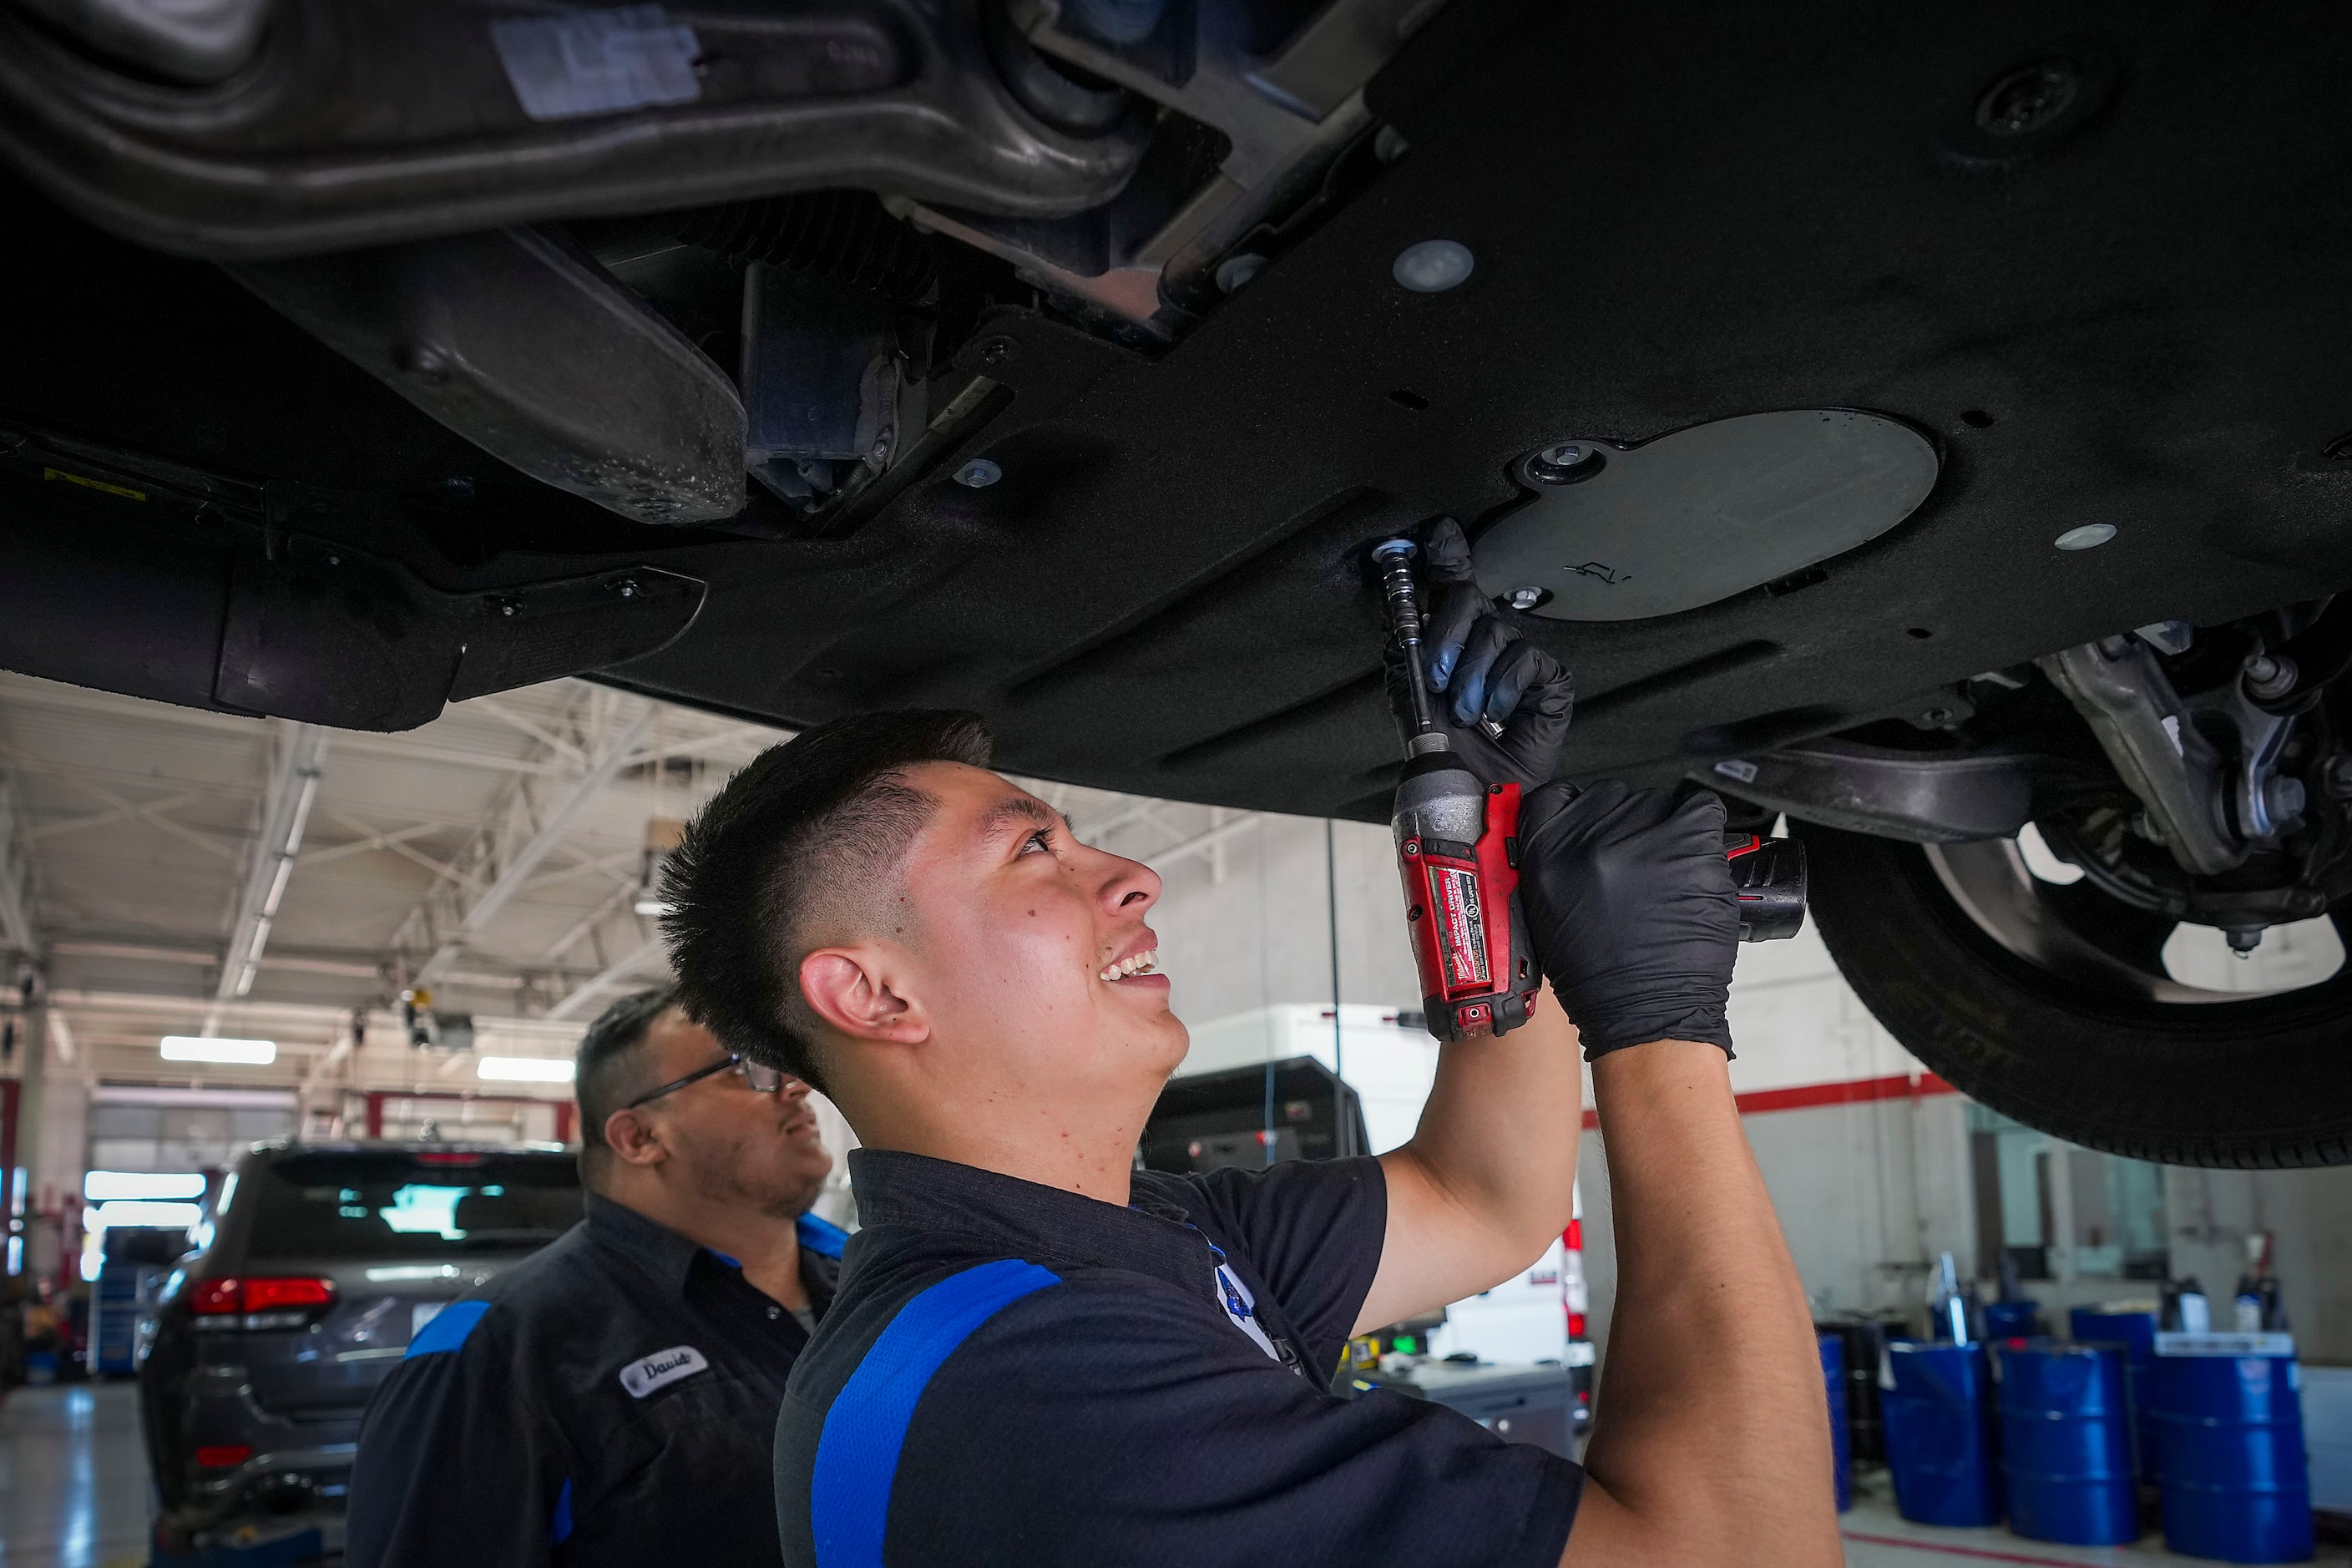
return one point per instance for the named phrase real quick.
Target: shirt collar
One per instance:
(657, 1249)
(1151, 1236)
(670, 1257)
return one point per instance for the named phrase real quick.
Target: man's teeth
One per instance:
(1141, 963)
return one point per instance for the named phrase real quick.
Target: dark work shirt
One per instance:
(1014, 1374)
(611, 1399)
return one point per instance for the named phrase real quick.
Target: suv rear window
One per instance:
(402, 1204)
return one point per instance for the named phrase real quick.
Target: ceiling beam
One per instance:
(537, 731)
(16, 875)
(112, 813)
(712, 746)
(1094, 829)
(285, 811)
(526, 860)
(152, 816)
(624, 894)
(322, 854)
(329, 1017)
(1202, 843)
(612, 975)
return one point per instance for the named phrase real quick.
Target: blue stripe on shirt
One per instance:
(857, 1452)
(821, 1237)
(448, 1329)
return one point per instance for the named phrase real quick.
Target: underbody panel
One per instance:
(1676, 216)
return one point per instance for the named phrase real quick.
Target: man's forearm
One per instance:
(1499, 1130)
(1489, 1177)
(1712, 1426)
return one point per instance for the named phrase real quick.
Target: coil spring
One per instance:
(844, 236)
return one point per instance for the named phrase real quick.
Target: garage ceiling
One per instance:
(494, 856)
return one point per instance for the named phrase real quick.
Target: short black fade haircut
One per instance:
(786, 857)
(605, 1075)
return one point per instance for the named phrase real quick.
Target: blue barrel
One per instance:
(2230, 1457)
(2135, 1332)
(1939, 1416)
(1841, 1453)
(2065, 1443)
(2012, 1319)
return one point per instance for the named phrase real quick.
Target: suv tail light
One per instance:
(223, 1455)
(273, 1301)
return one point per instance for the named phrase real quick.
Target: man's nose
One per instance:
(1130, 887)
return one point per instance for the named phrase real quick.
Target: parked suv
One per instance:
(318, 1265)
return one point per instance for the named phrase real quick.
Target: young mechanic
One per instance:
(1043, 1355)
(591, 1404)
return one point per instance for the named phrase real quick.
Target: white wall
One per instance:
(1869, 1192)
(2310, 1215)
(1261, 933)
(1247, 946)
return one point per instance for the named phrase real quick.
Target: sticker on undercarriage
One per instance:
(597, 62)
(1461, 924)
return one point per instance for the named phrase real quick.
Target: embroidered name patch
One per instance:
(645, 1374)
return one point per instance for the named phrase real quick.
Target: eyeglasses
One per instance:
(764, 1080)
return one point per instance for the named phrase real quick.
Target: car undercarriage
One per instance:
(1929, 424)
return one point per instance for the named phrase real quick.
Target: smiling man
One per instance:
(1041, 1355)
(589, 1405)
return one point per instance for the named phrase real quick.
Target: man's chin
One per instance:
(1170, 1042)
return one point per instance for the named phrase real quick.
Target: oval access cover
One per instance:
(1703, 513)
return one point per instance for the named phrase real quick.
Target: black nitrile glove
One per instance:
(1478, 667)
(1630, 909)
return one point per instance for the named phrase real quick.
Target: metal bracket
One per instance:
(2140, 722)
(525, 346)
(1925, 797)
(363, 123)
(1288, 116)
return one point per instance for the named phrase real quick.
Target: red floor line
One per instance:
(1976, 1552)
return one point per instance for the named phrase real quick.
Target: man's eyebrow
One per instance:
(1017, 811)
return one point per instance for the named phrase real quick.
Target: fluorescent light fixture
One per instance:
(127, 1211)
(654, 907)
(97, 1186)
(244, 1053)
(525, 1070)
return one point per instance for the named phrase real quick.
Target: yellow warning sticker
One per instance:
(94, 484)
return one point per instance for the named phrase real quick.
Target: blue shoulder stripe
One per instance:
(821, 1237)
(857, 1452)
(448, 1327)
(559, 1529)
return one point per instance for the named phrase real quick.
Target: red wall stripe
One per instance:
(1808, 1096)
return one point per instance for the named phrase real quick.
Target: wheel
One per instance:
(2052, 1003)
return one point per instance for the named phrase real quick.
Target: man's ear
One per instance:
(631, 1136)
(849, 989)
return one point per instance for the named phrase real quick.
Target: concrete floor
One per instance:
(73, 1494)
(73, 1479)
(1878, 1537)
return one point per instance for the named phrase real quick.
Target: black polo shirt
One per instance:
(1014, 1374)
(608, 1399)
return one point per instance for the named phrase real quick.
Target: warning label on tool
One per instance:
(1461, 925)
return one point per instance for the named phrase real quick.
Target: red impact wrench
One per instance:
(1458, 850)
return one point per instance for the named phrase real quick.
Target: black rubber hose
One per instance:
(844, 236)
